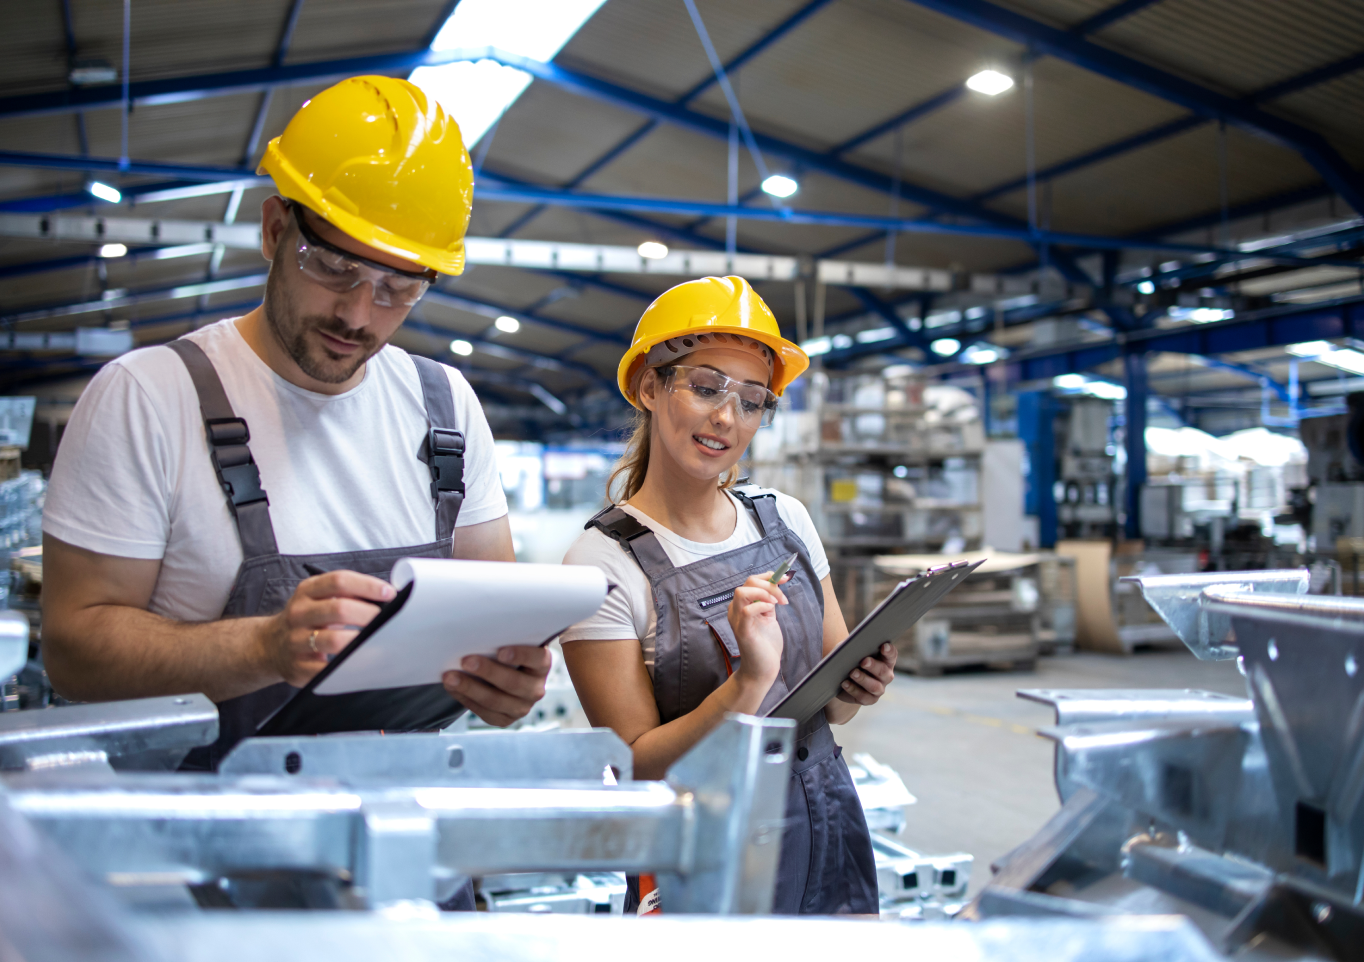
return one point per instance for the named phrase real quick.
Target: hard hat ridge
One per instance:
(382, 162)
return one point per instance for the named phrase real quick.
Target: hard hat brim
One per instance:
(296, 187)
(791, 362)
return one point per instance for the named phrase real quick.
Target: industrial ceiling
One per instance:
(1155, 159)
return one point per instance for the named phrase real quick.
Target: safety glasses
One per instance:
(342, 271)
(706, 390)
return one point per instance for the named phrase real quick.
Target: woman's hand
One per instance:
(867, 682)
(753, 616)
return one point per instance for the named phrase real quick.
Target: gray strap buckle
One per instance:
(232, 461)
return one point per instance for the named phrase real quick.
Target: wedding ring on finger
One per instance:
(312, 642)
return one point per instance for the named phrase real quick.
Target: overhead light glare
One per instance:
(990, 82)
(945, 346)
(816, 346)
(113, 250)
(507, 325)
(1324, 352)
(1200, 315)
(983, 354)
(779, 185)
(653, 250)
(1069, 382)
(477, 93)
(1146, 287)
(461, 347)
(1310, 348)
(104, 192)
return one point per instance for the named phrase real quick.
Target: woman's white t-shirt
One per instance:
(628, 611)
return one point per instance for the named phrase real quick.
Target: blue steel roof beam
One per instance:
(664, 205)
(1313, 77)
(1104, 18)
(137, 194)
(757, 47)
(1311, 146)
(190, 88)
(1272, 327)
(951, 95)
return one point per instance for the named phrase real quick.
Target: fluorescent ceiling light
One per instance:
(1069, 382)
(990, 82)
(944, 346)
(1146, 287)
(104, 192)
(874, 335)
(461, 347)
(816, 346)
(841, 341)
(983, 353)
(1200, 315)
(507, 325)
(779, 185)
(477, 93)
(1310, 348)
(652, 250)
(113, 250)
(1323, 352)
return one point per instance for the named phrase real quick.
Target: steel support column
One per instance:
(1134, 438)
(1037, 412)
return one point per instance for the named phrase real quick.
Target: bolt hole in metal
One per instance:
(455, 758)
(773, 754)
(293, 763)
(1273, 650)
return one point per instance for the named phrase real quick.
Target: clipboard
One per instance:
(314, 710)
(905, 605)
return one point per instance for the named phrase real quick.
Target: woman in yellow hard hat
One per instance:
(696, 628)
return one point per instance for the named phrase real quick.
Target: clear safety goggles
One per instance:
(342, 271)
(706, 389)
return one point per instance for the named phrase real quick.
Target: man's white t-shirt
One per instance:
(628, 611)
(132, 477)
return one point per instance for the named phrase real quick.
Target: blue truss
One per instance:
(1313, 147)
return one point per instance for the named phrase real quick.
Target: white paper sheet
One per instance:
(460, 608)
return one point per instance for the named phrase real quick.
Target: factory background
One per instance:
(1081, 281)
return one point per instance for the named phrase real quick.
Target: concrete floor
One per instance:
(968, 748)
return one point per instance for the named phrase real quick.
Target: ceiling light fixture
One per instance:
(461, 347)
(477, 93)
(652, 250)
(779, 185)
(113, 250)
(507, 325)
(983, 353)
(104, 192)
(1146, 287)
(990, 82)
(945, 346)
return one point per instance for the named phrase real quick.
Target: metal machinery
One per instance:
(107, 854)
(1087, 504)
(1245, 815)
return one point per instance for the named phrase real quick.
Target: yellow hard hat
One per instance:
(710, 305)
(382, 162)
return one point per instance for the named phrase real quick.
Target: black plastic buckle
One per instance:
(446, 452)
(232, 460)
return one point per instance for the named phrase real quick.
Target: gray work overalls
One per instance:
(266, 579)
(826, 864)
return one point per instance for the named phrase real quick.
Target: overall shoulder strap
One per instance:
(227, 437)
(443, 447)
(635, 538)
(764, 505)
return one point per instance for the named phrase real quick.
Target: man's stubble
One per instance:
(291, 328)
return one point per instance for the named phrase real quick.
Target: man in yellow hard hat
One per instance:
(224, 509)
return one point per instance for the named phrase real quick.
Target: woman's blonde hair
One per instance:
(634, 463)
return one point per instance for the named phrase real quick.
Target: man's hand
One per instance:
(867, 682)
(503, 689)
(321, 618)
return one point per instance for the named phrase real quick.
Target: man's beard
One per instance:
(291, 330)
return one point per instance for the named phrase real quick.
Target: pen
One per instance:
(784, 567)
